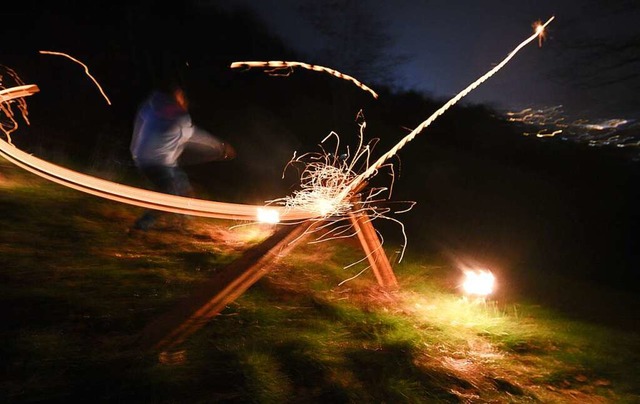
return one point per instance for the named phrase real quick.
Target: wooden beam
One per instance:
(168, 331)
(373, 249)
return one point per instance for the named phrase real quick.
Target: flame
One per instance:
(478, 282)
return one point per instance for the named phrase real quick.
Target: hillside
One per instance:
(77, 290)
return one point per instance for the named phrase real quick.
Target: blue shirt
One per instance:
(161, 131)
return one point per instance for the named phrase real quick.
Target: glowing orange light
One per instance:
(86, 70)
(277, 66)
(478, 282)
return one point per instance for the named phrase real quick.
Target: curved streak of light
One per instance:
(86, 70)
(373, 168)
(140, 197)
(128, 194)
(276, 64)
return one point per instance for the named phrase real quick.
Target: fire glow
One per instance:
(478, 282)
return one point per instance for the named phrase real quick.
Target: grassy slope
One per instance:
(76, 290)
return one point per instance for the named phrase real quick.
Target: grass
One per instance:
(77, 290)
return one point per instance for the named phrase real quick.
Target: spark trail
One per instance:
(86, 70)
(539, 31)
(278, 66)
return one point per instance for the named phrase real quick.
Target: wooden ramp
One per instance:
(171, 329)
(168, 331)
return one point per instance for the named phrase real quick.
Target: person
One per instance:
(162, 131)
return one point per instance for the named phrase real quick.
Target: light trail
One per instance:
(141, 197)
(276, 65)
(374, 167)
(86, 70)
(128, 194)
(552, 134)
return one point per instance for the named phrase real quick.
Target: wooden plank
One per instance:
(168, 331)
(373, 249)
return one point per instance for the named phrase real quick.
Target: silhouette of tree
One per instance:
(600, 51)
(356, 40)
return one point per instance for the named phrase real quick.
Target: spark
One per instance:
(324, 175)
(86, 70)
(285, 68)
(374, 167)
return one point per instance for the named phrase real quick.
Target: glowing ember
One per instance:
(478, 282)
(282, 68)
(86, 70)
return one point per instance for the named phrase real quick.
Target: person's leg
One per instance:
(168, 180)
(161, 181)
(182, 187)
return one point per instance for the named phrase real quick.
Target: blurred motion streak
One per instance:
(86, 70)
(281, 68)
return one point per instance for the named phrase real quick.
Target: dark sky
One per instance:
(589, 62)
(448, 44)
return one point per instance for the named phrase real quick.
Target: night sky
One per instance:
(445, 45)
(588, 63)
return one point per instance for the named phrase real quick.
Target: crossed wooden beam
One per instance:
(166, 332)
